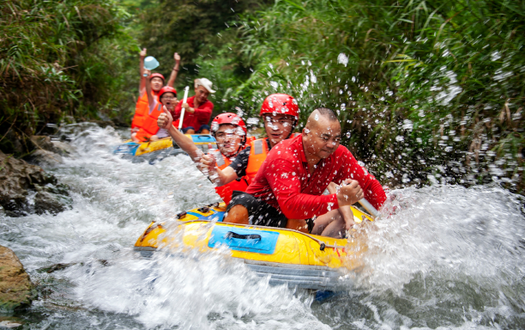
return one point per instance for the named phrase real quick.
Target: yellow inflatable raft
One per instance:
(163, 147)
(286, 256)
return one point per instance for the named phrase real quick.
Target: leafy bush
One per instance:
(194, 29)
(58, 58)
(426, 90)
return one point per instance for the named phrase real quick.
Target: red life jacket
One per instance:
(226, 191)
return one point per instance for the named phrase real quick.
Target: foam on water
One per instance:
(445, 257)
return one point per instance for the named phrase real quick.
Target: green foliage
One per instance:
(59, 58)
(425, 90)
(192, 28)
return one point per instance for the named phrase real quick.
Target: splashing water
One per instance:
(445, 257)
(342, 59)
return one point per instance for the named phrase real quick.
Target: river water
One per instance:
(446, 257)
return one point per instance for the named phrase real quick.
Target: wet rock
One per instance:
(44, 151)
(43, 142)
(48, 202)
(16, 289)
(63, 148)
(44, 157)
(26, 188)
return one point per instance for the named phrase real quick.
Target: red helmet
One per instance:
(280, 104)
(167, 89)
(158, 75)
(228, 118)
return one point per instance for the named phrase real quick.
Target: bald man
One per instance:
(288, 189)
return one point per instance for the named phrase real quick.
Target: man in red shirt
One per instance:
(197, 111)
(291, 181)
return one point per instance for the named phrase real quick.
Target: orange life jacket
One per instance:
(149, 124)
(249, 140)
(226, 191)
(143, 119)
(258, 152)
(142, 109)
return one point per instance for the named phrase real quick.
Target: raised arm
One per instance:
(175, 70)
(151, 99)
(142, 83)
(165, 121)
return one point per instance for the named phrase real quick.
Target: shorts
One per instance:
(259, 212)
(203, 127)
(310, 223)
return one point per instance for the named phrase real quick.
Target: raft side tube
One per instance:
(147, 147)
(292, 247)
(128, 148)
(294, 276)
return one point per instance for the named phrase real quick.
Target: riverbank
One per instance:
(26, 188)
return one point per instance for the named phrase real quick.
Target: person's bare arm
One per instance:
(346, 211)
(175, 70)
(349, 193)
(149, 93)
(165, 120)
(219, 177)
(187, 108)
(142, 83)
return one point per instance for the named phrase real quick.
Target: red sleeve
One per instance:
(203, 114)
(372, 189)
(287, 190)
(176, 112)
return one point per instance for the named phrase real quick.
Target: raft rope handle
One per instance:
(231, 234)
(322, 245)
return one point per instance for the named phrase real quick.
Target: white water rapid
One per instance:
(446, 257)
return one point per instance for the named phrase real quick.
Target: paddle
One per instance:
(369, 208)
(186, 90)
(366, 205)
